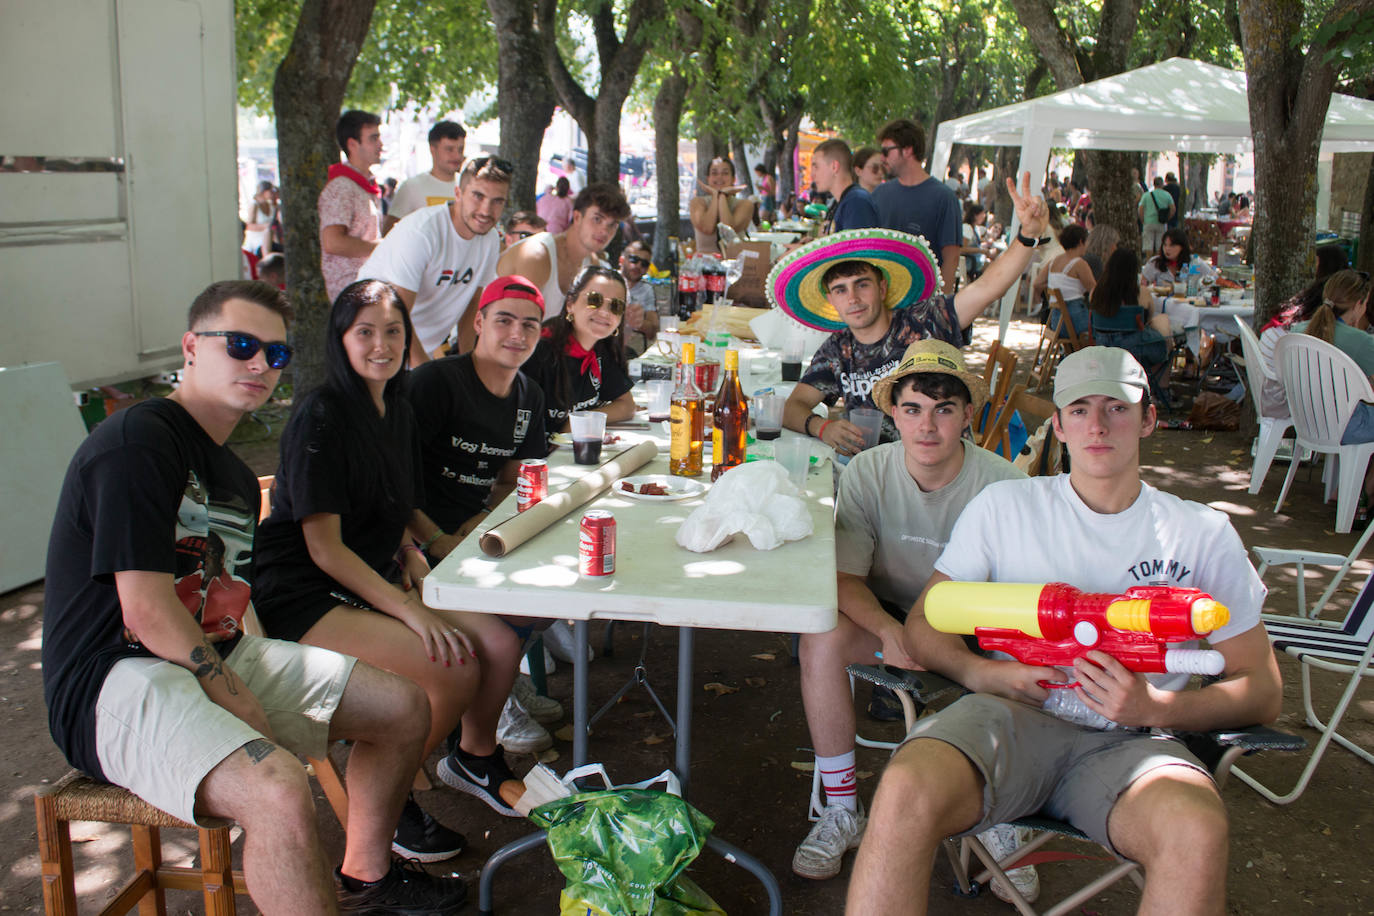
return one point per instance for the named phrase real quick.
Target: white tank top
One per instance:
(1068, 285)
(553, 293)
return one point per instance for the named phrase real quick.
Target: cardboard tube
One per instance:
(503, 538)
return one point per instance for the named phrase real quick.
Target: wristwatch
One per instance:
(1030, 242)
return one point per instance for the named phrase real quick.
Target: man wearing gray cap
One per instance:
(1001, 753)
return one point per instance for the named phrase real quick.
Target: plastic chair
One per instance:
(1271, 429)
(1323, 385)
(1028, 406)
(1218, 749)
(1346, 651)
(1270, 556)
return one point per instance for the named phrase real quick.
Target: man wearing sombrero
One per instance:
(879, 290)
(896, 507)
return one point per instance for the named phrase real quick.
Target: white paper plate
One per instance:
(677, 487)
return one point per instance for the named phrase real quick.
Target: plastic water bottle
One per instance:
(1193, 280)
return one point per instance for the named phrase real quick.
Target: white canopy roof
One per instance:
(1178, 104)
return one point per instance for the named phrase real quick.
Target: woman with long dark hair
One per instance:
(1174, 258)
(1122, 317)
(580, 361)
(336, 564)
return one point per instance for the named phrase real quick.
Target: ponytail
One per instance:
(1323, 323)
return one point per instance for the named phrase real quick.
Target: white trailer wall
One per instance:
(97, 268)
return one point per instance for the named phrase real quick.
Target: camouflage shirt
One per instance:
(845, 368)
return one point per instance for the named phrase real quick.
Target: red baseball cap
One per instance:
(512, 286)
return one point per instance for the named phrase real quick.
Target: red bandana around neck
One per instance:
(590, 364)
(344, 170)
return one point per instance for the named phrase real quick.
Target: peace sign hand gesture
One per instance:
(1031, 212)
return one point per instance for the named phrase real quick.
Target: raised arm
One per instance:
(1007, 268)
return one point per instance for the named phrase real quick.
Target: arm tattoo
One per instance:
(210, 666)
(257, 749)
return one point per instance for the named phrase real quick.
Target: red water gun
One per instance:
(1055, 624)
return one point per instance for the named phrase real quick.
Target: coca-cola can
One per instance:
(532, 486)
(596, 543)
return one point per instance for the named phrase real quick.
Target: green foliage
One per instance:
(436, 53)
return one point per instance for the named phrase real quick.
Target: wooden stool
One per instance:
(76, 797)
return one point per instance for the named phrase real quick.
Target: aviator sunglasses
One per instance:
(245, 346)
(595, 300)
(637, 261)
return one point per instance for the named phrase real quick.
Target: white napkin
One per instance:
(755, 499)
(775, 327)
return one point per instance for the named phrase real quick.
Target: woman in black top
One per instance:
(580, 360)
(343, 529)
(1141, 332)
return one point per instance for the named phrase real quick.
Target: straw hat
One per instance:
(930, 355)
(794, 283)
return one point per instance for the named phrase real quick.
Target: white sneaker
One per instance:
(542, 709)
(520, 734)
(549, 665)
(838, 831)
(558, 641)
(1001, 841)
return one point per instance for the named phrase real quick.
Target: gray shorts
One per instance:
(158, 735)
(1031, 761)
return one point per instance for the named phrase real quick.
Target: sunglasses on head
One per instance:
(503, 165)
(245, 346)
(635, 259)
(595, 300)
(522, 233)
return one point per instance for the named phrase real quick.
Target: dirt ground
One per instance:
(751, 747)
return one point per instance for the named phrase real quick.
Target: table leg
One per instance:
(579, 692)
(686, 639)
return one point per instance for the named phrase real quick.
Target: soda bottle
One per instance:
(729, 435)
(687, 418)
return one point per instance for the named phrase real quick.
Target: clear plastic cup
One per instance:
(794, 454)
(870, 423)
(767, 409)
(660, 399)
(588, 429)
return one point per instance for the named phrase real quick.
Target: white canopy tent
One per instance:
(1177, 104)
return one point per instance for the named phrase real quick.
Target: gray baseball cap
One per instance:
(1109, 371)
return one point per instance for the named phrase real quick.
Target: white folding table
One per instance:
(790, 589)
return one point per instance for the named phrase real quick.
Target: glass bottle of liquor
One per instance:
(729, 435)
(687, 416)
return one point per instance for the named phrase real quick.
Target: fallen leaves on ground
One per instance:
(651, 740)
(755, 681)
(548, 756)
(719, 689)
(807, 767)
(764, 656)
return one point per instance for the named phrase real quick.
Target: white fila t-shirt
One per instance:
(424, 253)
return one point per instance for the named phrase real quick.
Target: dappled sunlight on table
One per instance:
(701, 568)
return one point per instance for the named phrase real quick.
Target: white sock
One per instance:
(839, 780)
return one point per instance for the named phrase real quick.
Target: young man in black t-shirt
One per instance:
(143, 644)
(479, 415)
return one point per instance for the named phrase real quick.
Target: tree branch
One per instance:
(574, 98)
(1057, 49)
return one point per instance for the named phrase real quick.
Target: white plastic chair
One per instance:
(1271, 429)
(1323, 385)
(1346, 651)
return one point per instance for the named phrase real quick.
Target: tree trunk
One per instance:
(524, 98)
(307, 94)
(786, 182)
(1364, 259)
(1007, 159)
(743, 174)
(1114, 200)
(1289, 93)
(667, 128)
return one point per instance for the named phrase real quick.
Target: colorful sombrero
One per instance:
(794, 283)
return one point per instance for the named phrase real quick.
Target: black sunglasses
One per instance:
(888, 149)
(595, 300)
(245, 346)
(503, 165)
(522, 234)
(634, 259)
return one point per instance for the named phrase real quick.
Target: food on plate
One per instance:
(645, 489)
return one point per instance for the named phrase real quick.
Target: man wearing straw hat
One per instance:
(896, 507)
(878, 291)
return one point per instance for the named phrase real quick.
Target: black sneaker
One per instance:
(480, 777)
(883, 705)
(406, 890)
(419, 836)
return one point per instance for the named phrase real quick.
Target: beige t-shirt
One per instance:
(890, 531)
(418, 192)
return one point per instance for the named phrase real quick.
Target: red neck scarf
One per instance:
(344, 170)
(590, 364)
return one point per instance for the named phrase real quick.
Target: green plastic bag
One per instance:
(623, 852)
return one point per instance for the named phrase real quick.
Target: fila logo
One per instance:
(447, 277)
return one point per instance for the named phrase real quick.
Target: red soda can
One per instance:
(532, 486)
(596, 543)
